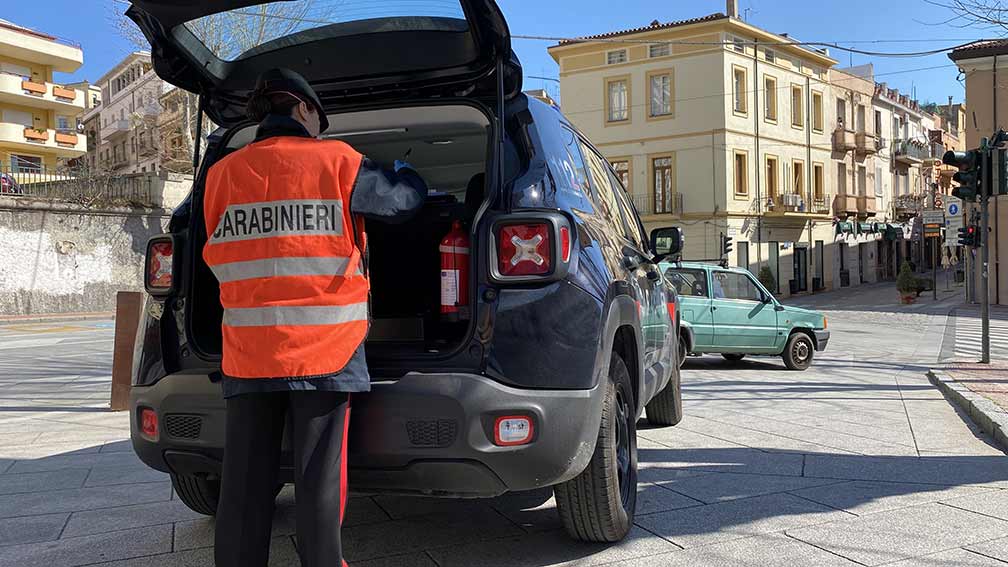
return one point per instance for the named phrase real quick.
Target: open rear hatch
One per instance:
(349, 50)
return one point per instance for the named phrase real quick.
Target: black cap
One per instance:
(284, 80)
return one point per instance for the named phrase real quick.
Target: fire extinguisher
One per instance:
(455, 273)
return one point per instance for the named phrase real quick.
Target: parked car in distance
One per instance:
(728, 311)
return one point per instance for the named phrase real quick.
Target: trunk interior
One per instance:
(448, 146)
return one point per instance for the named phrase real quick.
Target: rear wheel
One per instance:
(666, 407)
(683, 351)
(599, 504)
(797, 353)
(732, 356)
(199, 493)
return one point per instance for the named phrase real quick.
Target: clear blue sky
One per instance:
(831, 20)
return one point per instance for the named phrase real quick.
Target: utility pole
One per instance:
(985, 191)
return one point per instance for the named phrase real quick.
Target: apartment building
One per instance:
(38, 117)
(124, 125)
(985, 65)
(723, 130)
(720, 127)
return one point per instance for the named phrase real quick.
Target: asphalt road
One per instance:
(858, 460)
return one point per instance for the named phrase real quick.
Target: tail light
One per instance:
(531, 248)
(671, 311)
(158, 272)
(149, 423)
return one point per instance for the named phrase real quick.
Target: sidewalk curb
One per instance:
(56, 317)
(987, 415)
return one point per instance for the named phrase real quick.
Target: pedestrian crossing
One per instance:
(968, 333)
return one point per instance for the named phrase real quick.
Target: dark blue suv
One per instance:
(563, 330)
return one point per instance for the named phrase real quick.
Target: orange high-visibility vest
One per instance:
(287, 252)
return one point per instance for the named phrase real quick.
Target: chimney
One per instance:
(731, 8)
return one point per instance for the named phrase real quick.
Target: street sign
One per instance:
(933, 217)
(932, 230)
(938, 202)
(953, 219)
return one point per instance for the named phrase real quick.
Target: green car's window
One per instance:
(688, 282)
(731, 285)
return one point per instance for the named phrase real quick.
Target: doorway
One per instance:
(860, 262)
(800, 281)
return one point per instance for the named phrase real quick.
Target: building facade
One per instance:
(124, 125)
(985, 65)
(720, 127)
(38, 117)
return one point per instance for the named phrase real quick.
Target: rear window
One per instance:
(244, 32)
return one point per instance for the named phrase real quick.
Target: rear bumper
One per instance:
(821, 339)
(424, 433)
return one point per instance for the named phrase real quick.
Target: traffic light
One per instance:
(968, 176)
(726, 244)
(969, 235)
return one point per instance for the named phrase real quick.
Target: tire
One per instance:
(799, 351)
(666, 407)
(598, 505)
(683, 351)
(733, 356)
(199, 493)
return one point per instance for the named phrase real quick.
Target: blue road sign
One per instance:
(953, 208)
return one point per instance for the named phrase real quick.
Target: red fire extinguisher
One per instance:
(455, 273)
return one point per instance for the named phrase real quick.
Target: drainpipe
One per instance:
(997, 223)
(808, 177)
(759, 197)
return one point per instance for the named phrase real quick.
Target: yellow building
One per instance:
(38, 118)
(723, 128)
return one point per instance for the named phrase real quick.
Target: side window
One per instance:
(574, 164)
(634, 229)
(605, 192)
(732, 285)
(687, 282)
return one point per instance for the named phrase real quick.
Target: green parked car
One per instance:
(728, 311)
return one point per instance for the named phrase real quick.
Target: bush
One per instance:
(766, 278)
(905, 281)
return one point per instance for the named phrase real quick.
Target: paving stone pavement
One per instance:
(859, 460)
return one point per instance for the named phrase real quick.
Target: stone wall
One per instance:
(61, 258)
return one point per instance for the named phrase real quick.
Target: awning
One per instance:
(844, 227)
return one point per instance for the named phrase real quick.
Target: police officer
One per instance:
(285, 225)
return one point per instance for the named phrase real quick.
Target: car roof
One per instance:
(701, 265)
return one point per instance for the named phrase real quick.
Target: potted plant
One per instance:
(906, 284)
(767, 278)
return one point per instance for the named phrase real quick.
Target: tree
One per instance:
(227, 35)
(766, 277)
(980, 14)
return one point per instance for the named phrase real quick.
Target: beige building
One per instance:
(38, 117)
(720, 127)
(985, 65)
(124, 125)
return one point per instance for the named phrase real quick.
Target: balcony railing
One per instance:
(786, 203)
(32, 181)
(645, 205)
(911, 151)
(866, 205)
(845, 205)
(16, 90)
(866, 143)
(843, 139)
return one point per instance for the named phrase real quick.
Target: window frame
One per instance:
(818, 115)
(744, 112)
(799, 109)
(745, 179)
(818, 179)
(766, 99)
(609, 54)
(767, 158)
(704, 279)
(608, 81)
(672, 176)
(670, 72)
(667, 47)
(798, 171)
(18, 169)
(628, 160)
(770, 56)
(739, 44)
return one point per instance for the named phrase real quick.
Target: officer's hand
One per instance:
(401, 164)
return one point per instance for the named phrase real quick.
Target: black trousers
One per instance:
(254, 432)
